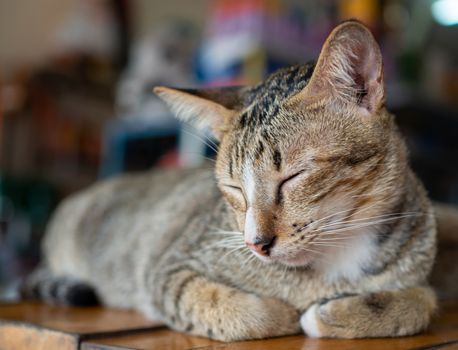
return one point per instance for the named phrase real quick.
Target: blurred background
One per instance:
(76, 77)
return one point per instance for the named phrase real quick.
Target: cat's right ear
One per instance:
(349, 71)
(205, 108)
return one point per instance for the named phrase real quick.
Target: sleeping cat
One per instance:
(314, 220)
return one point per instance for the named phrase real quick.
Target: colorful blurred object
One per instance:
(367, 11)
(445, 12)
(245, 40)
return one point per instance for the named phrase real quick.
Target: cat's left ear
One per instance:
(349, 70)
(206, 108)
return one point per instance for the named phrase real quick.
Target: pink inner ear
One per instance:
(349, 70)
(362, 72)
(366, 71)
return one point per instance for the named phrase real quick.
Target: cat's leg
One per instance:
(43, 285)
(381, 314)
(189, 302)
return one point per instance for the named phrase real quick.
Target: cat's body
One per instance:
(342, 231)
(123, 236)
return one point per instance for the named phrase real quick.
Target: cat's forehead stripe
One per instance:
(253, 136)
(259, 150)
(277, 159)
(231, 171)
(265, 98)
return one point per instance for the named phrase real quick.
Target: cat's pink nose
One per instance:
(262, 245)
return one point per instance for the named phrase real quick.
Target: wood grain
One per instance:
(23, 336)
(31, 326)
(43, 327)
(77, 320)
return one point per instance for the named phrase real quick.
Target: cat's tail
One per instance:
(62, 290)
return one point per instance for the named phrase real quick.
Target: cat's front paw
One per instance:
(310, 322)
(332, 319)
(339, 318)
(379, 314)
(346, 317)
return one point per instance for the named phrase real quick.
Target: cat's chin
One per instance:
(294, 259)
(296, 262)
(264, 259)
(290, 261)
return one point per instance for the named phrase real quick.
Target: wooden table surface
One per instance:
(42, 327)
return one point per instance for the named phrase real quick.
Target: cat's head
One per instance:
(309, 158)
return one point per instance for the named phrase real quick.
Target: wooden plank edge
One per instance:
(19, 336)
(23, 331)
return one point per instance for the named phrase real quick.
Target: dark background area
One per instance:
(76, 76)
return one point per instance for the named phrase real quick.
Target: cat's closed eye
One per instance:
(233, 187)
(285, 184)
(235, 196)
(289, 179)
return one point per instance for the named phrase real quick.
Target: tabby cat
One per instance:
(314, 221)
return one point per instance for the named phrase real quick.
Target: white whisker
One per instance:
(213, 147)
(341, 212)
(393, 215)
(360, 225)
(231, 251)
(325, 244)
(338, 238)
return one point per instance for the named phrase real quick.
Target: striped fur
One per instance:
(311, 164)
